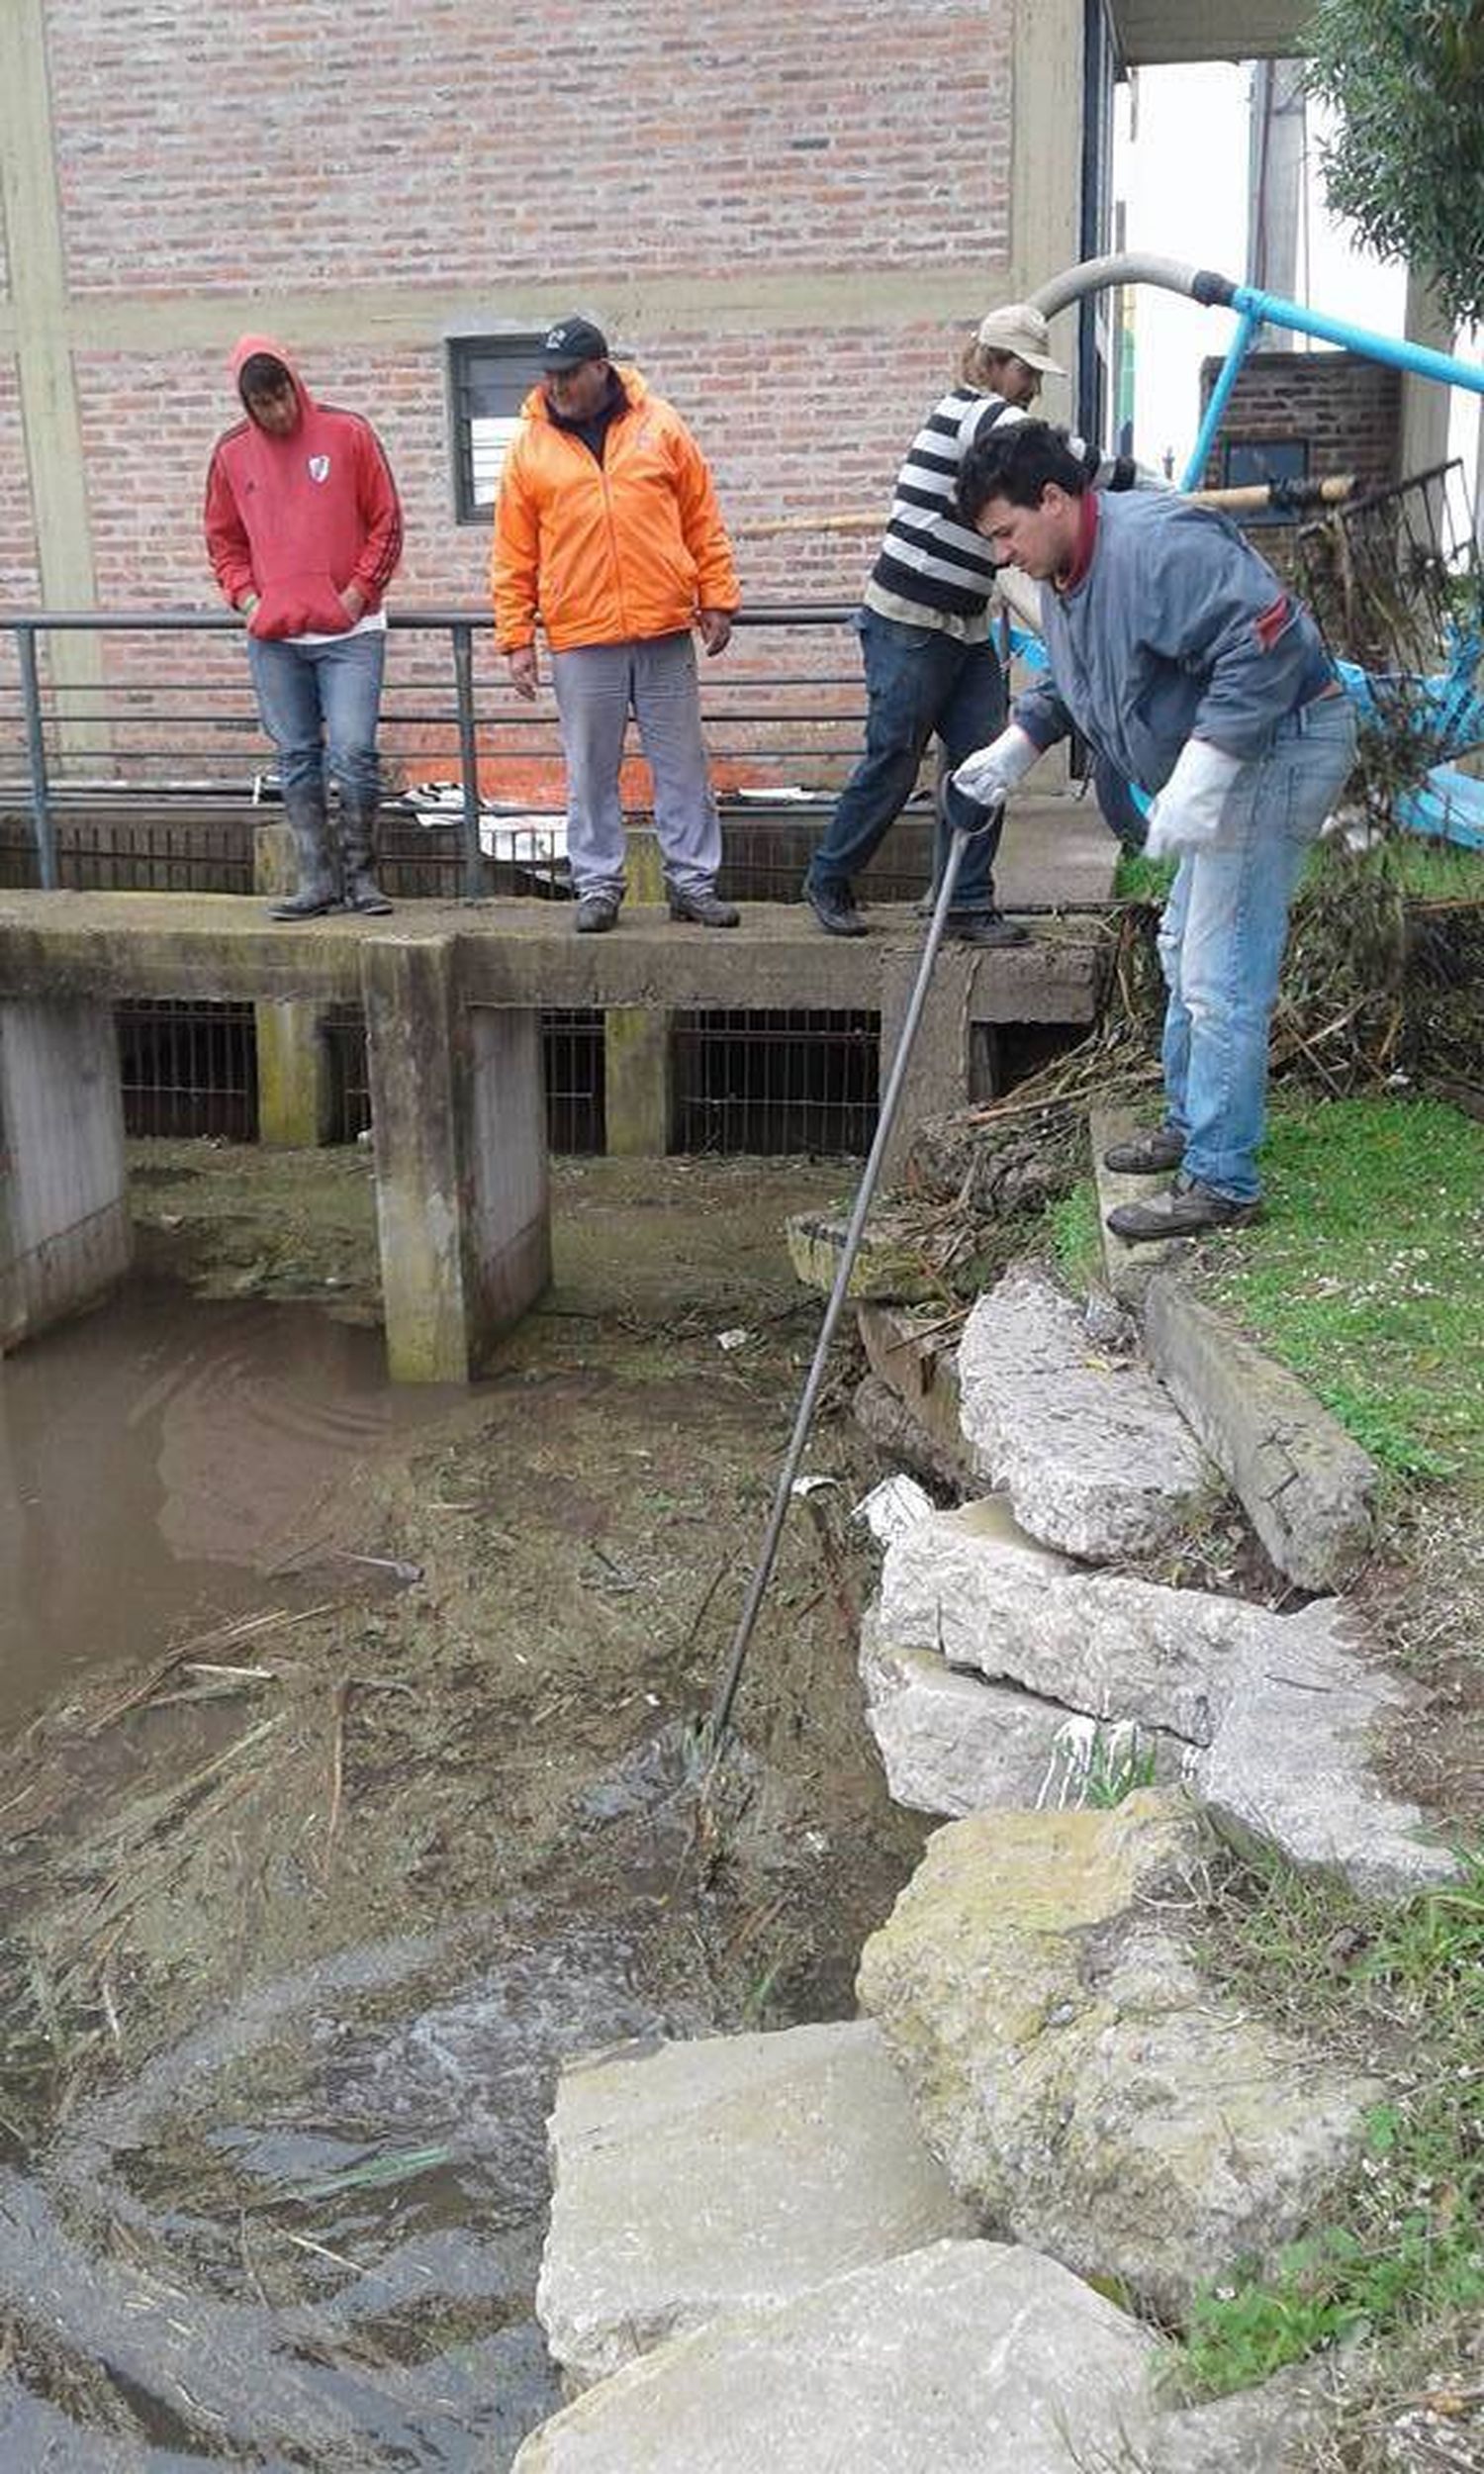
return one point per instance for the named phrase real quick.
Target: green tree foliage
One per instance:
(1406, 81)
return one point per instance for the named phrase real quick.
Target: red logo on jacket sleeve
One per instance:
(1270, 623)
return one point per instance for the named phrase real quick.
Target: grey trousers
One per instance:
(596, 686)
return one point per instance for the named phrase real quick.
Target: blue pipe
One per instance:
(1221, 393)
(1266, 308)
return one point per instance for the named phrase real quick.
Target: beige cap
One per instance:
(1020, 330)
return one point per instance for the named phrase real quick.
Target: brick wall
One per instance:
(1349, 409)
(291, 142)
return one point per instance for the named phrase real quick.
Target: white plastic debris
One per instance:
(736, 1339)
(893, 1507)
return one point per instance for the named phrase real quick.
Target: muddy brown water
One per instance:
(286, 1975)
(161, 1466)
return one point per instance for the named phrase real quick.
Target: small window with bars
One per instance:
(489, 379)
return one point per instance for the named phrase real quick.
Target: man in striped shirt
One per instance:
(924, 628)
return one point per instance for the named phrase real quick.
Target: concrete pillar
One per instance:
(45, 376)
(462, 1198)
(645, 869)
(65, 1232)
(937, 1080)
(636, 1039)
(1425, 405)
(294, 1097)
(636, 1082)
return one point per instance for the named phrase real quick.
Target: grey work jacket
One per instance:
(1177, 629)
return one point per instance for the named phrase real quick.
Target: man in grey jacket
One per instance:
(1183, 660)
(932, 669)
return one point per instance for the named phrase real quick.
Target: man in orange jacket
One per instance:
(607, 524)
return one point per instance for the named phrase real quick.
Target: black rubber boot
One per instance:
(358, 857)
(318, 887)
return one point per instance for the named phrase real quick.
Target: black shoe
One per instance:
(362, 892)
(595, 915)
(1145, 1155)
(986, 928)
(834, 907)
(310, 902)
(700, 905)
(1186, 1210)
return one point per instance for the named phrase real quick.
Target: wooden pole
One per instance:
(1248, 500)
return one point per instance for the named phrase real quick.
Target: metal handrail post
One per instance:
(36, 757)
(463, 678)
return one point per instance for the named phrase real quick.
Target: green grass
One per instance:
(1407, 2248)
(1074, 1235)
(1424, 871)
(1367, 1277)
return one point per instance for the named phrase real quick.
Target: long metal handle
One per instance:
(721, 1707)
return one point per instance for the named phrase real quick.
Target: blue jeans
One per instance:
(1222, 938)
(319, 702)
(918, 681)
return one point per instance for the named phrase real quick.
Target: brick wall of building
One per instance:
(288, 143)
(1349, 410)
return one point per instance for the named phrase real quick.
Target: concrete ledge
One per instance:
(1308, 1489)
(222, 946)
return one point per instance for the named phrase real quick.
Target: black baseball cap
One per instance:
(571, 342)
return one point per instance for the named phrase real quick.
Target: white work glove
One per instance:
(1188, 810)
(992, 770)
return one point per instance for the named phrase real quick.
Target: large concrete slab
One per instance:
(965, 2358)
(733, 2172)
(1090, 1447)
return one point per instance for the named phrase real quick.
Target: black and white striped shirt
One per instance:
(932, 571)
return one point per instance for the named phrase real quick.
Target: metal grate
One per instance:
(349, 1108)
(186, 1068)
(1390, 574)
(775, 1081)
(575, 1089)
(765, 851)
(572, 1045)
(109, 850)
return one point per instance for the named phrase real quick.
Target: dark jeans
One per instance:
(918, 681)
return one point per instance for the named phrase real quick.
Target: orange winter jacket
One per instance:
(631, 547)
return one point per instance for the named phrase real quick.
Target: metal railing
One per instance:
(783, 708)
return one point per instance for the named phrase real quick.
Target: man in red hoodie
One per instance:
(304, 533)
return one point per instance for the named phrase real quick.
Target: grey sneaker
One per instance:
(595, 915)
(835, 908)
(984, 928)
(1186, 1210)
(1145, 1155)
(703, 907)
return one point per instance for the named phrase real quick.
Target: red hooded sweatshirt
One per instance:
(298, 520)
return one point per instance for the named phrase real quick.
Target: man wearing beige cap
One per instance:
(924, 628)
